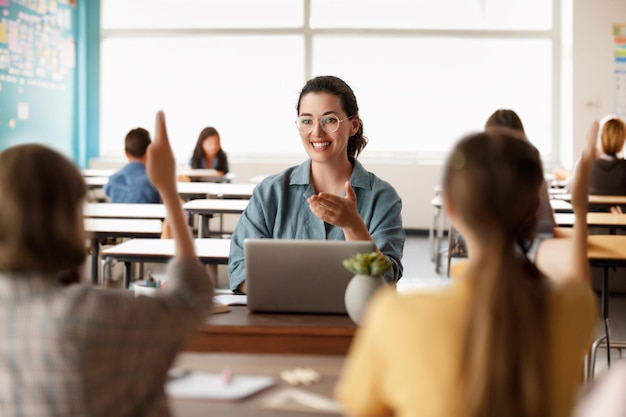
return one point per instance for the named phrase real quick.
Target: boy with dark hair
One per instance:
(131, 183)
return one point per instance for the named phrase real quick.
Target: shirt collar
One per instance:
(360, 178)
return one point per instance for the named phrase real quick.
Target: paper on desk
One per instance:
(212, 386)
(232, 299)
(294, 399)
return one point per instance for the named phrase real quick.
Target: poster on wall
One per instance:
(37, 70)
(619, 89)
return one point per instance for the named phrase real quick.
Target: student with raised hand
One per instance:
(76, 350)
(330, 196)
(503, 338)
(131, 183)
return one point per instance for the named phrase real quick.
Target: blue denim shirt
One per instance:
(131, 185)
(279, 209)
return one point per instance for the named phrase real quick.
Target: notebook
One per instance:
(299, 276)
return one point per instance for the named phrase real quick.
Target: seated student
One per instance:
(76, 350)
(208, 153)
(608, 173)
(546, 224)
(503, 339)
(329, 196)
(131, 184)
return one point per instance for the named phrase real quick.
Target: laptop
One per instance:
(299, 276)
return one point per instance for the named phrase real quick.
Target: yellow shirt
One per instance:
(405, 357)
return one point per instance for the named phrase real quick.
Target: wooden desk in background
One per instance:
(244, 332)
(101, 229)
(267, 365)
(211, 206)
(605, 251)
(208, 251)
(610, 221)
(598, 200)
(215, 190)
(561, 206)
(206, 174)
(124, 211)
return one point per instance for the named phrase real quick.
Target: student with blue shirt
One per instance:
(131, 184)
(330, 196)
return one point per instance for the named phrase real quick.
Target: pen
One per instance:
(227, 376)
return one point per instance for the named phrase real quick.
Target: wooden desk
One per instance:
(561, 206)
(327, 366)
(599, 200)
(216, 190)
(207, 189)
(605, 251)
(608, 200)
(96, 182)
(104, 172)
(210, 175)
(209, 207)
(101, 229)
(124, 211)
(244, 332)
(208, 251)
(611, 221)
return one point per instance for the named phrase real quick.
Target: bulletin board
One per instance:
(37, 72)
(619, 84)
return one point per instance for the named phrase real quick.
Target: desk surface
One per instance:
(123, 227)
(216, 206)
(208, 251)
(124, 211)
(607, 248)
(213, 189)
(609, 220)
(327, 366)
(608, 200)
(242, 331)
(218, 190)
(184, 171)
(561, 206)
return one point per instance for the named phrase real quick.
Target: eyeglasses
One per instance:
(330, 123)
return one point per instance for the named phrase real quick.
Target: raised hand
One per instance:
(161, 165)
(161, 168)
(580, 186)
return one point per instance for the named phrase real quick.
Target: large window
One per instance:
(424, 72)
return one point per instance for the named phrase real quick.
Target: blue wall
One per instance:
(46, 86)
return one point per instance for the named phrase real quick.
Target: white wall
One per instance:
(593, 62)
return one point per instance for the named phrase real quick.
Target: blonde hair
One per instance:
(41, 227)
(613, 136)
(493, 182)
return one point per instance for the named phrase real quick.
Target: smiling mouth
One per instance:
(320, 145)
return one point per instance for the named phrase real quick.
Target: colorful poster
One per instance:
(619, 39)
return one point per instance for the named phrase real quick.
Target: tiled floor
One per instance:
(417, 264)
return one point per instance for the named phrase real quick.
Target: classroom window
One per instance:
(424, 72)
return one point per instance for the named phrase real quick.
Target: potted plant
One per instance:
(368, 269)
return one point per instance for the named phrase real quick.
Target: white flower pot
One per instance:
(358, 293)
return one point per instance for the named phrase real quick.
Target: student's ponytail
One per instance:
(493, 182)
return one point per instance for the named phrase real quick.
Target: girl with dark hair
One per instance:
(208, 153)
(507, 337)
(329, 196)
